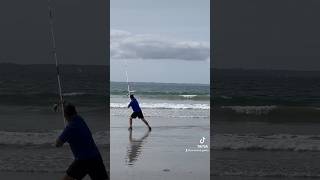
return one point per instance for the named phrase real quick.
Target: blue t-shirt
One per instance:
(134, 105)
(79, 137)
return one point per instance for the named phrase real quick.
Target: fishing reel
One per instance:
(130, 93)
(55, 107)
(58, 106)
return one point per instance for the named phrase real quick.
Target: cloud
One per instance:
(125, 45)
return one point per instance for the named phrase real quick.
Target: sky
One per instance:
(160, 41)
(267, 34)
(80, 28)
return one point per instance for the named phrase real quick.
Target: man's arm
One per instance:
(129, 104)
(64, 137)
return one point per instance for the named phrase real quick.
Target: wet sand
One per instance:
(159, 154)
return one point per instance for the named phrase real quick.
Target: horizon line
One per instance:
(214, 68)
(264, 69)
(22, 64)
(159, 82)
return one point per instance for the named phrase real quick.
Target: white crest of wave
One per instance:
(188, 96)
(163, 106)
(257, 110)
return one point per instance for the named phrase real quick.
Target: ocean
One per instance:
(179, 115)
(265, 124)
(28, 124)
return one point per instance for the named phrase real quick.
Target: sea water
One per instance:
(265, 124)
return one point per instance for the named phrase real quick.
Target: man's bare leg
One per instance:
(130, 123)
(145, 121)
(66, 177)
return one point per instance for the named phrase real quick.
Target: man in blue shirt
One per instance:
(87, 158)
(137, 112)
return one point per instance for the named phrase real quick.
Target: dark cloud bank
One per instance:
(80, 26)
(267, 34)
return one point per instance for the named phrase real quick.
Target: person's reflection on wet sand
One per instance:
(134, 148)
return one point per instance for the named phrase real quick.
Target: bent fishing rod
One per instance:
(55, 57)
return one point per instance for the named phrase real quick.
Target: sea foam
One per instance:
(163, 106)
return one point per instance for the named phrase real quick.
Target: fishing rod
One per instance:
(54, 52)
(127, 78)
(128, 82)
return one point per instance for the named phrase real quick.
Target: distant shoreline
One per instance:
(211, 68)
(143, 82)
(106, 68)
(15, 64)
(262, 70)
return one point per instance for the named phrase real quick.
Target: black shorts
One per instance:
(137, 114)
(94, 168)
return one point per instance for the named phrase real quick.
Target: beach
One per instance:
(178, 123)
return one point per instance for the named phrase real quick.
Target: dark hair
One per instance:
(69, 109)
(131, 96)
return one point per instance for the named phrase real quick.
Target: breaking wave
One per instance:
(163, 106)
(276, 142)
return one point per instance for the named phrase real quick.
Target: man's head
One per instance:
(69, 111)
(131, 96)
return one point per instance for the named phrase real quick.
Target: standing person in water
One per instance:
(87, 158)
(137, 112)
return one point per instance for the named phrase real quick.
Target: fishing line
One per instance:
(127, 78)
(54, 53)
